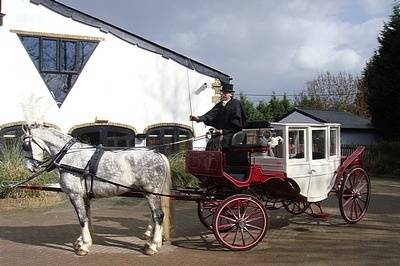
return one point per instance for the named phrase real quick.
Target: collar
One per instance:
(225, 102)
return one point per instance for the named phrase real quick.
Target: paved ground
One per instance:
(43, 236)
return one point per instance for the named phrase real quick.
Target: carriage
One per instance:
(270, 166)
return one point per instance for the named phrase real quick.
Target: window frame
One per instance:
(103, 131)
(304, 131)
(325, 154)
(176, 135)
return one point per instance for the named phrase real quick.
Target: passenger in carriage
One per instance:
(227, 117)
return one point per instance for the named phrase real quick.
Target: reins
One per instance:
(55, 163)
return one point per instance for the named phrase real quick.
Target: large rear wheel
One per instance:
(240, 222)
(354, 195)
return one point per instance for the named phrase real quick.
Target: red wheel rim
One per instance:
(354, 195)
(240, 222)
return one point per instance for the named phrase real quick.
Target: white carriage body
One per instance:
(308, 154)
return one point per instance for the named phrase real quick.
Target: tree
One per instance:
(330, 92)
(268, 111)
(382, 79)
(251, 112)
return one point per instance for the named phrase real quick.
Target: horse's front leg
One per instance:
(157, 215)
(84, 242)
(149, 230)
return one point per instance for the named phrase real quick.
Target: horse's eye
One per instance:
(26, 146)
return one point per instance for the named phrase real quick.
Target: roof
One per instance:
(131, 38)
(347, 120)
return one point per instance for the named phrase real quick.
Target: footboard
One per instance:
(204, 163)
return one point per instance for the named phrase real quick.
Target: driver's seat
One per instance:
(239, 138)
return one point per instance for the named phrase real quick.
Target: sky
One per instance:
(266, 46)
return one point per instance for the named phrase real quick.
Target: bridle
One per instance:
(27, 147)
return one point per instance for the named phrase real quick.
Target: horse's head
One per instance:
(33, 147)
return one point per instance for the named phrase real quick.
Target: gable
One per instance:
(296, 117)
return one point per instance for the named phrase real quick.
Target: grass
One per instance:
(12, 169)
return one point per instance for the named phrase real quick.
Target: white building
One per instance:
(95, 80)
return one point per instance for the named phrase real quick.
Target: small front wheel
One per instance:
(296, 207)
(240, 222)
(354, 195)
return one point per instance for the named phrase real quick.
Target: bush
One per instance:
(12, 169)
(383, 159)
(181, 178)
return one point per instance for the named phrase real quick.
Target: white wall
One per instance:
(120, 82)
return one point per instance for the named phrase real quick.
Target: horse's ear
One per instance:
(25, 128)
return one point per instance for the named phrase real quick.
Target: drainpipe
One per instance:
(1, 16)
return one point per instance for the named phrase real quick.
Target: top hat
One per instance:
(226, 87)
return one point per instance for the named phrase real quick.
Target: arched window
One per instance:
(162, 135)
(107, 135)
(10, 134)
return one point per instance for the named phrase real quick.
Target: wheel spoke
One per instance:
(359, 188)
(347, 202)
(230, 211)
(361, 208)
(254, 219)
(228, 218)
(250, 234)
(241, 233)
(254, 226)
(225, 226)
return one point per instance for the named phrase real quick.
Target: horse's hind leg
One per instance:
(83, 243)
(155, 242)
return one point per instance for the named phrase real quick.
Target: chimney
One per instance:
(1, 16)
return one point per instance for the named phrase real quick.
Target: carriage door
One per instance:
(307, 161)
(320, 171)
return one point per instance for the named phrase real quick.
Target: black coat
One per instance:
(231, 118)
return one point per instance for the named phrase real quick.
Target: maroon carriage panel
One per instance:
(204, 163)
(354, 159)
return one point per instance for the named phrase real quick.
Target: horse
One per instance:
(117, 172)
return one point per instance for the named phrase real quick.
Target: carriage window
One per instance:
(296, 143)
(277, 151)
(164, 135)
(333, 142)
(108, 136)
(318, 144)
(58, 61)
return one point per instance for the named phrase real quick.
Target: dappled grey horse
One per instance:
(142, 170)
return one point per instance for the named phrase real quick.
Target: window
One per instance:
(277, 151)
(333, 142)
(318, 144)
(59, 61)
(168, 134)
(108, 136)
(296, 143)
(10, 135)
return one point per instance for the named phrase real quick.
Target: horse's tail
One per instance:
(166, 203)
(166, 188)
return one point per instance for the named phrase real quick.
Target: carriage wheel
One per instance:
(296, 207)
(354, 195)
(206, 210)
(240, 222)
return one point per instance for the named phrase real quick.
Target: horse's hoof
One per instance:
(81, 252)
(148, 250)
(77, 245)
(146, 237)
